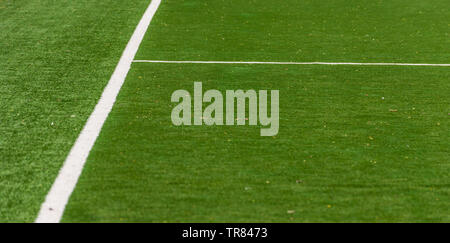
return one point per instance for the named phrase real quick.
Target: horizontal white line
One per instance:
(297, 63)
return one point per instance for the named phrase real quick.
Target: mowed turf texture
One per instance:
(356, 144)
(55, 59)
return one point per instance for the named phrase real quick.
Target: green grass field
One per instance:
(355, 144)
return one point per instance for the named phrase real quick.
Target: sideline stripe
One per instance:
(297, 63)
(53, 208)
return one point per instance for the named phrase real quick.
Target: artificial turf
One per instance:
(356, 144)
(55, 59)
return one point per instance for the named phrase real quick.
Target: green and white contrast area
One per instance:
(356, 143)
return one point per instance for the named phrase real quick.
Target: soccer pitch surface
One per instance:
(356, 143)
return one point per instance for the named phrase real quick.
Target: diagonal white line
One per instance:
(296, 63)
(53, 208)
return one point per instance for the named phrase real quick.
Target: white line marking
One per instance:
(53, 207)
(297, 63)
